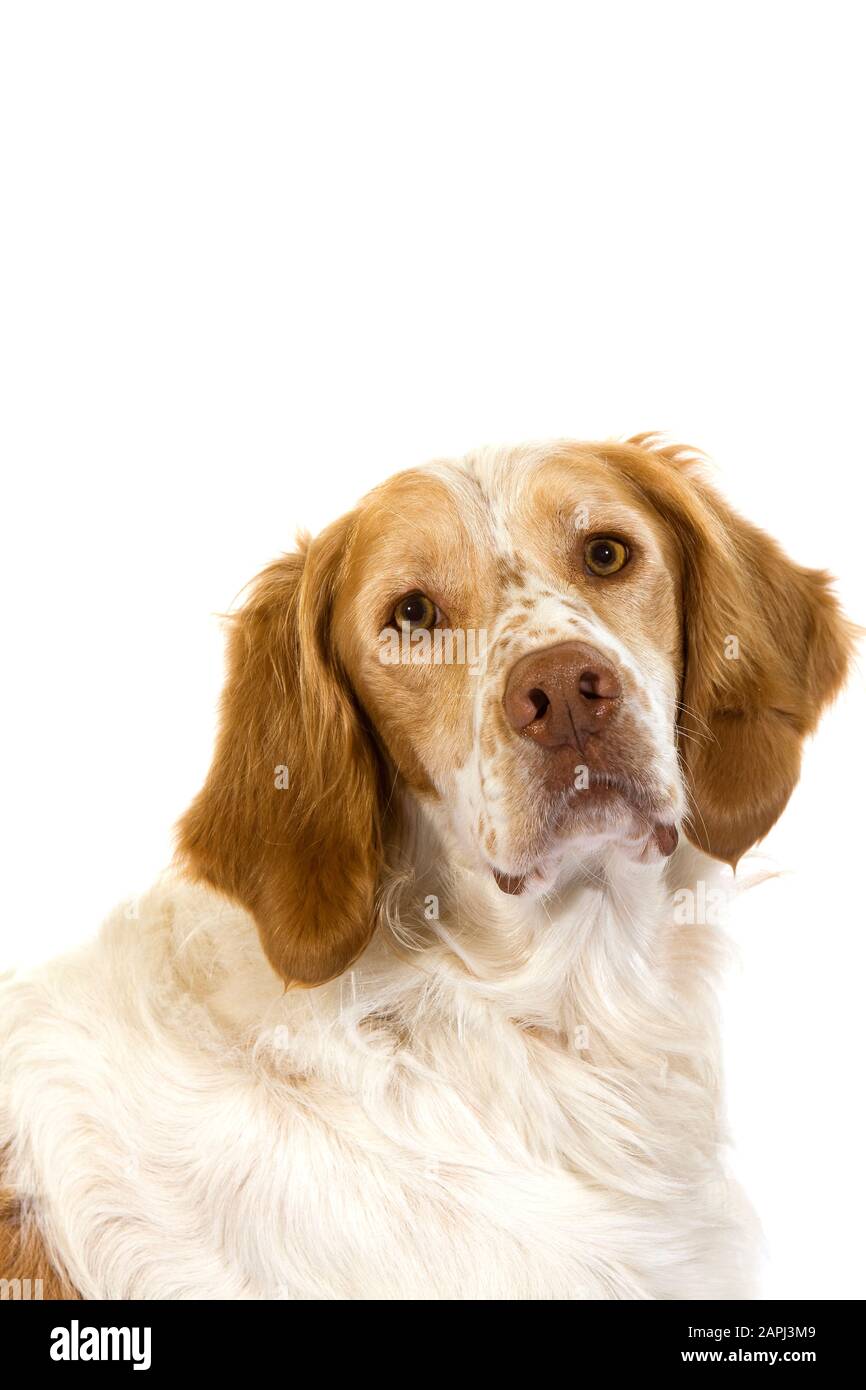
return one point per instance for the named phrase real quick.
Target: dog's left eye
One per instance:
(416, 610)
(603, 555)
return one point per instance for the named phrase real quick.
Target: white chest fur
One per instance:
(496, 1102)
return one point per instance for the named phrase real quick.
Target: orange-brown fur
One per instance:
(303, 858)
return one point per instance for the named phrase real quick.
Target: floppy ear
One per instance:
(288, 821)
(766, 648)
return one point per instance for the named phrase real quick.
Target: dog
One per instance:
(417, 1013)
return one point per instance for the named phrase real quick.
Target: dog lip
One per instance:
(666, 837)
(661, 828)
(660, 823)
(510, 883)
(624, 786)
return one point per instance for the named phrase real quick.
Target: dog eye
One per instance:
(416, 610)
(603, 555)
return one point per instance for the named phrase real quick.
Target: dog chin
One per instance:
(642, 827)
(640, 838)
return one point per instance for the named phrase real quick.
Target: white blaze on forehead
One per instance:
(487, 486)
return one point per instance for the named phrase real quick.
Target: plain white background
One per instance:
(257, 257)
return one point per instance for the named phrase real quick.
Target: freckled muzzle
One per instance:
(569, 702)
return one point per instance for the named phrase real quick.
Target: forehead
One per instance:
(508, 510)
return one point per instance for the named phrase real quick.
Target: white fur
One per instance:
(517, 1100)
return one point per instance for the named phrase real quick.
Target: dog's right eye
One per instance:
(416, 610)
(604, 555)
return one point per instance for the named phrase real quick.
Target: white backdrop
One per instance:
(255, 257)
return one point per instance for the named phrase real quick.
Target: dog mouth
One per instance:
(621, 810)
(510, 883)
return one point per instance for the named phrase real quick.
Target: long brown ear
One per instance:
(288, 821)
(766, 648)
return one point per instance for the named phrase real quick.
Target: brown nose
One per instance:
(562, 694)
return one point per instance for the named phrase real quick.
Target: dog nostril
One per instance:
(598, 685)
(539, 701)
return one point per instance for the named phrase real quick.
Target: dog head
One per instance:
(551, 648)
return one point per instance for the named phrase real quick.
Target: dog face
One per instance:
(512, 628)
(550, 648)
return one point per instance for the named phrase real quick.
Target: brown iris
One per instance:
(604, 555)
(415, 610)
